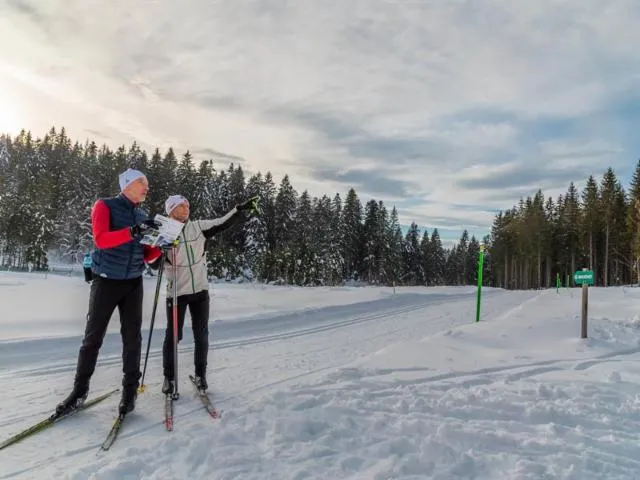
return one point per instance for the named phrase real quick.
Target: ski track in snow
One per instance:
(248, 358)
(351, 391)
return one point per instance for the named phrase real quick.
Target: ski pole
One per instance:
(174, 262)
(153, 317)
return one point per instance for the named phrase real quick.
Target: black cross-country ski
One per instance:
(54, 418)
(206, 401)
(168, 412)
(113, 433)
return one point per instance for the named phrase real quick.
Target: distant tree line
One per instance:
(48, 186)
(597, 229)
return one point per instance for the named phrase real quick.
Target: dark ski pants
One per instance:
(198, 304)
(107, 294)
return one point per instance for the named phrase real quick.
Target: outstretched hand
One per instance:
(250, 205)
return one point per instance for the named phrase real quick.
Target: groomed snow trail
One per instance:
(250, 358)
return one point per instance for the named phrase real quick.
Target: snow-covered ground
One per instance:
(338, 383)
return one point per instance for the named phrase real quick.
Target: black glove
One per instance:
(250, 205)
(155, 265)
(144, 227)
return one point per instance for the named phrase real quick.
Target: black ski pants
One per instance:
(198, 304)
(107, 294)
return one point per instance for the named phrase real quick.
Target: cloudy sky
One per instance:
(448, 109)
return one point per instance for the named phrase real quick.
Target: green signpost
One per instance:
(584, 277)
(480, 269)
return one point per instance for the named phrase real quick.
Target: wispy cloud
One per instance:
(427, 104)
(376, 182)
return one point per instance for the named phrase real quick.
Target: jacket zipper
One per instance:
(131, 247)
(187, 247)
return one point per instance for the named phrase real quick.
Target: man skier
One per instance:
(192, 282)
(119, 258)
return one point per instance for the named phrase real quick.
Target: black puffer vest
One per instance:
(127, 260)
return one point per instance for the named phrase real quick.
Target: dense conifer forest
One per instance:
(48, 186)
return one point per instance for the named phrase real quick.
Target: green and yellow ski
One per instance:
(55, 418)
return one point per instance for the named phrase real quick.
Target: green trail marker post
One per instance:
(480, 269)
(585, 278)
(558, 283)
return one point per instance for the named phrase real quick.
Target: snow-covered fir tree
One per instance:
(48, 186)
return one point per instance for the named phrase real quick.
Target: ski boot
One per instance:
(167, 385)
(75, 399)
(201, 383)
(128, 400)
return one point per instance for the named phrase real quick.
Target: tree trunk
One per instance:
(539, 267)
(548, 273)
(590, 250)
(506, 271)
(595, 268)
(606, 257)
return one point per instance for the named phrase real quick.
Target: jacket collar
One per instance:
(123, 198)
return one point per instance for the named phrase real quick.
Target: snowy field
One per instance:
(338, 383)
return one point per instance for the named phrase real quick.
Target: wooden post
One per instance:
(585, 307)
(480, 270)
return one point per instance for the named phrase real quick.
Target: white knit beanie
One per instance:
(173, 201)
(128, 176)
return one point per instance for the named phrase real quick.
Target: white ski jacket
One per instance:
(191, 256)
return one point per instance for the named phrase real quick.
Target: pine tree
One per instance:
(427, 258)
(473, 256)
(8, 193)
(157, 178)
(591, 220)
(393, 237)
(550, 235)
(438, 258)
(185, 176)
(323, 270)
(336, 259)
(284, 230)
(382, 246)
(632, 221)
(351, 235)
(304, 258)
(413, 261)
(460, 261)
(372, 242)
(255, 233)
(611, 192)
